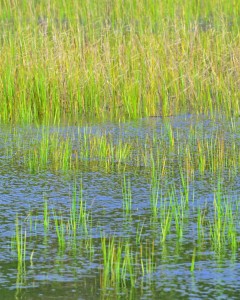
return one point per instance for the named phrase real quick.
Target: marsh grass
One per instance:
(125, 262)
(122, 265)
(188, 159)
(120, 60)
(70, 62)
(73, 151)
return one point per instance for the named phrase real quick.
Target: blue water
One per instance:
(50, 274)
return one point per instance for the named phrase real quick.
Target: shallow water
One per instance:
(76, 273)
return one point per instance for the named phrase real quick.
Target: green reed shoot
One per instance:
(127, 196)
(60, 229)
(79, 216)
(155, 190)
(46, 216)
(166, 215)
(110, 274)
(178, 214)
(201, 216)
(21, 243)
(128, 266)
(170, 134)
(139, 231)
(73, 212)
(193, 260)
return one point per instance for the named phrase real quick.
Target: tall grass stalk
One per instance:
(127, 196)
(46, 215)
(21, 243)
(60, 228)
(193, 260)
(155, 190)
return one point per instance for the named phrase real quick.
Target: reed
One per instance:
(21, 243)
(127, 196)
(60, 227)
(193, 260)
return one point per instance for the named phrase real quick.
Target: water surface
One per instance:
(76, 273)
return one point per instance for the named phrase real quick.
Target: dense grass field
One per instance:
(117, 59)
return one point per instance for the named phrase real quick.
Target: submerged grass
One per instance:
(193, 154)
(123, 260)
(129, 258)
(21, 242)
(117, 60)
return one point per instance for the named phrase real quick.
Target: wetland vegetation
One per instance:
(119, 148)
